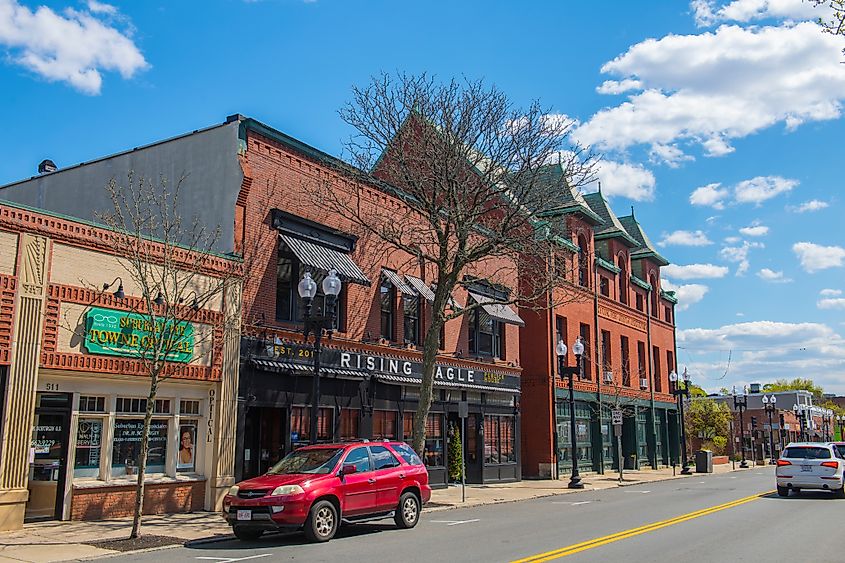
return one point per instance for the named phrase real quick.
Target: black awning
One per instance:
(501, 313)
(324, 259)
(397, 282)
(290, 367)
(421, 288)
(403, 380)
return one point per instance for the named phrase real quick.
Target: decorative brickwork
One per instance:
(8, 285)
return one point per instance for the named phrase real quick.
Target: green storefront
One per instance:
(650, 438)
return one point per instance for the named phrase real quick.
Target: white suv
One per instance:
(811, 465)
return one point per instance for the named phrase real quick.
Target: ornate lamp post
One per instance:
(799, 414)
(680, 394)
(317, 324)
(741, 404)
(841, 420)
(563, 370)
(769, 404)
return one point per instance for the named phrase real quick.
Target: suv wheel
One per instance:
(783, 491)
(408, 511)
(322, 522)
(247, 534)
(839, 493)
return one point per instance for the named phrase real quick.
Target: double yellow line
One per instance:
(598, 542)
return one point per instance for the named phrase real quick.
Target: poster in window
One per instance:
(126, 448)
(186, 457)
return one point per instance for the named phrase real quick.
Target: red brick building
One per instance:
(614, 302)
(255, 183)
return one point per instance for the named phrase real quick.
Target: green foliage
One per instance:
(797, 384)
(696, 391)
(710, 420)
(455, 458)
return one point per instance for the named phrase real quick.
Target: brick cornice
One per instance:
(105, 364)
(8, 286)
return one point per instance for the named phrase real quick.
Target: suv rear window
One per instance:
(806, 452)
(407, 453)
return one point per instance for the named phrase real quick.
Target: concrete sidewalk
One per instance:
(63, 541)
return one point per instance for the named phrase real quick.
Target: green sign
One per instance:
(118, 333)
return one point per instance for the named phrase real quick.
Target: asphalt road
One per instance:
(702, 518)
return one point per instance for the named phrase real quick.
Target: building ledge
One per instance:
(132, 481)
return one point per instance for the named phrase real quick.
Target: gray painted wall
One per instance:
(207, 159)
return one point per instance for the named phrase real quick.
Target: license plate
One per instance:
(806, 468)
(244, 514)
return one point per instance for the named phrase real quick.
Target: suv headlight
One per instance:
(287, 490)
(234, 490)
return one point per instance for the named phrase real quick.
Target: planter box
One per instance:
(720, 459)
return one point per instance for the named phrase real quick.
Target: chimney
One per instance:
(46, 166)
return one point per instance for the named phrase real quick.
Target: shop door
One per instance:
(48, 457)
(473, 449)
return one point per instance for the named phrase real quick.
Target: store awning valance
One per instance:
(397, 282)
(403, 380)
(324, 259)
(501, 313)
(421, 288)
(290, 367)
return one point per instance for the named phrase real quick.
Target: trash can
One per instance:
(704, 461)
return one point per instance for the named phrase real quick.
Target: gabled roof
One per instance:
(646, 248)
(569, 200)
(612, 228)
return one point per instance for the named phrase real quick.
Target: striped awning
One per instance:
(501, 313)
(290, 367)
(421, 288)
(324, 259)
(397, 282)
(403, 380)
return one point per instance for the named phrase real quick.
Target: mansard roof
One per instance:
(646, 248)
(569, 200)
(612, 228)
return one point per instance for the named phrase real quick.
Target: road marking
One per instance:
(455, 522)
(231, 559)
(638, 492)
(579, 503)
(597, 542)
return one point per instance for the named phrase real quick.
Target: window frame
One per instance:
(411, 321)
(387, 314)
(496, 335)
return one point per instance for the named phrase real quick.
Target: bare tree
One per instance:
(480, 185)
(834, 22)
(167, 261)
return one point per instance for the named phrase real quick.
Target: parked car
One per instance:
(315, 488)
(811, 465)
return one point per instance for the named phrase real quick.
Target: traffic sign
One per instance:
(616, 414)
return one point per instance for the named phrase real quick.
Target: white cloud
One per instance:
(812, 205)
(694, 271)
(747, 10)
(618, 86)
(711, 195)
(685, 238)
(670, 155)
(687, 294)
(830, 292)
(732, 240)
(815, 257)
(771, 276)
(74, 47)
(734, 82)
(831, 303)
(762, 188)
(627, 180)
(739, 254)
(755, 231)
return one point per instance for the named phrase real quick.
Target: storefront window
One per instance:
(408, 426)
(434, 439)
(186, 457)
(349, 424)
(300, 423)
(499, 439)
(384, 425)
(642, 435)
(126, 447)
(411, 311)
(583, 434)
(86, 461)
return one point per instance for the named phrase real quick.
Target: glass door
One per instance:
(48, 456)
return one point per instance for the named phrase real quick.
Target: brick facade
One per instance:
(119, 501)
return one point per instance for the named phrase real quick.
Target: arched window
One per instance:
(583, 262)
(623, 279)
(652, 279)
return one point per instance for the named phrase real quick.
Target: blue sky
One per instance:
(719, 123)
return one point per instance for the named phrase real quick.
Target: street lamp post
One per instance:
(578, 350)
(799, 414)
(317, 324)
(841, 420)
(681, 393)
(769, 404)
(741, 404)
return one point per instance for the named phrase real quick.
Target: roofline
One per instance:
(113, 155)
(630, 242)
(574, 208)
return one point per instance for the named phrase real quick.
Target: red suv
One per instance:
(316, 487)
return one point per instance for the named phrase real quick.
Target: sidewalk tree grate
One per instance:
(143, 542)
